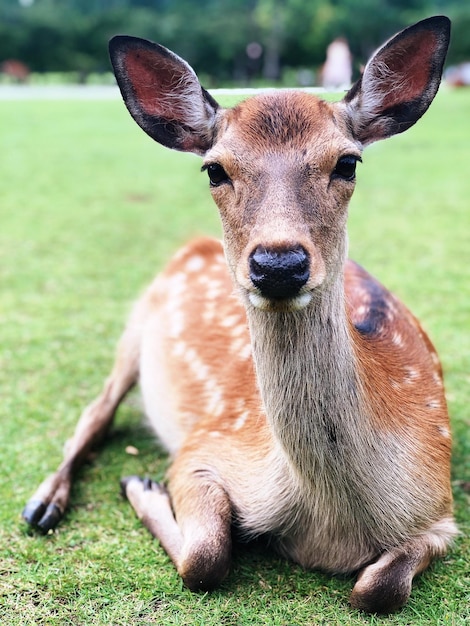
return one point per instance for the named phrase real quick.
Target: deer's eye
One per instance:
(346, 167)
(217, 174)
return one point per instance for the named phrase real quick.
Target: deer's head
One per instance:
(282, 165)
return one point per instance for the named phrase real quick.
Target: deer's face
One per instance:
(282, 171)
(282, 165)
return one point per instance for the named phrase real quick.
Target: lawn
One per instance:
(90, 209)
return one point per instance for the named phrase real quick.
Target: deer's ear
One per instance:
(400, 81)
(163, 94)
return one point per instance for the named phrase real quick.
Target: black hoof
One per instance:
(148, 484)
(45, 517)
(33, 511)
(50, 519)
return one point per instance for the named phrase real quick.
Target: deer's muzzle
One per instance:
(279, 274)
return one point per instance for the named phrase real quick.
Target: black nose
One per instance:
(279, 274)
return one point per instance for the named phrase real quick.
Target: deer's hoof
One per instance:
(44, 517)
(33, 511)
(146, 483)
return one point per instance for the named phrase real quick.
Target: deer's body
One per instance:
(312, 485)
(297, 396)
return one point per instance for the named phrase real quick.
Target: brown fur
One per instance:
(318, 418)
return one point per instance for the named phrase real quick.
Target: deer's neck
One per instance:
(308, 380)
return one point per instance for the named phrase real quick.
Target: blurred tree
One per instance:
(459, 12)
(222, 39)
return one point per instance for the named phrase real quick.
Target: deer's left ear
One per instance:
(163, 94)
(400, 81)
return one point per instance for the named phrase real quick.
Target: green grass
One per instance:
(90, 208)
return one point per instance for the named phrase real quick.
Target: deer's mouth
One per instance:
(295, 303)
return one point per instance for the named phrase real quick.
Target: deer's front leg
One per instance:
(197, 536)
(47, 506)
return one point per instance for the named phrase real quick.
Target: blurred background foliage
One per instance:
(287, 37)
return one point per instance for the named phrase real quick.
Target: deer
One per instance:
(297, 397)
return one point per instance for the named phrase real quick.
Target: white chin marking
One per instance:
(294, 304)
(301, 301)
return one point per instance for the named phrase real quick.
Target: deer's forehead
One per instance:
(284, 122)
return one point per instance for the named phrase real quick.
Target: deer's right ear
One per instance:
(163, 94)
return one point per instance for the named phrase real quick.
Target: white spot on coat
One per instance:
(215, 394)
(241, 421)
(411, 375)
(361, 311)
(397, 339)
(437, 379)
(230, 321)
(444, 431)
(245, 352)
(194, 264)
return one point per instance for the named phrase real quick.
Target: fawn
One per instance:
(298, 398)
